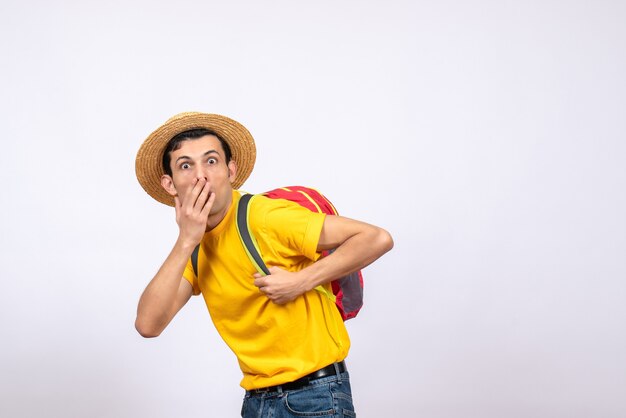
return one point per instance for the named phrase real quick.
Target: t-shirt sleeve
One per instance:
(189, 275)
(296, 228)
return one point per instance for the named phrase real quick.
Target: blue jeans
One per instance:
(326, 397)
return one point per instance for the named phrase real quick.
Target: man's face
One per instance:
(201, 158)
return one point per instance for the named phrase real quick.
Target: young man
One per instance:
(289, 339)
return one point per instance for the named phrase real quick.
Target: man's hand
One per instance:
(281, 286)
(192, 213)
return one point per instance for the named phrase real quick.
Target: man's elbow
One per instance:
(145, 330)
(383, 241)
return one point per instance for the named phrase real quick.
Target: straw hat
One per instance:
(149, 161)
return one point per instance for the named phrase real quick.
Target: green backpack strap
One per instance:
(248, 240)
(194, 259)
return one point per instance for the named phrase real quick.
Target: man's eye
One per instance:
(212, 161)
(185, 166)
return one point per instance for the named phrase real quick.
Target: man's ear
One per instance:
(232, 170)
(168, 184)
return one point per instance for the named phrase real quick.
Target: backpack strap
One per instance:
(248, 240)
(194, 259)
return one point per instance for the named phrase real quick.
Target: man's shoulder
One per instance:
(261, 203)
(267, 212)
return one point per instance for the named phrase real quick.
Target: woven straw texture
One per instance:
(148, 164)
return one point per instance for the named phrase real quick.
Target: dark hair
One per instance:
(190, 135)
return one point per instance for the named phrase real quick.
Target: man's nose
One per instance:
(201, 174)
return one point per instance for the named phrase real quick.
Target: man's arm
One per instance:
(169, 291)
(165, 295)
(357, 244)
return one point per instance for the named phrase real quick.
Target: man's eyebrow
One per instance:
(185, 157)
(212, 151)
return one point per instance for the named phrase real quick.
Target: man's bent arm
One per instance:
(169, 290)
(357, 244)
(166, 293)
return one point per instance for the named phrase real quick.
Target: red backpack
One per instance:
(347, 290)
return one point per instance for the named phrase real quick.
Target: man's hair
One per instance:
(175, 143)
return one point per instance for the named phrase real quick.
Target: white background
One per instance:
(487, 136)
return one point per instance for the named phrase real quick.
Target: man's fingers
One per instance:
(260, 281)
(274, 269)
(192, 194)
(269, 291)
(198, 199)
(208, 204)
(204, 194)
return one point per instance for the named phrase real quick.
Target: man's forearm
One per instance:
(158, 303)
(353, 254)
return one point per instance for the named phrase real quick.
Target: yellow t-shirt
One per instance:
(274, 344)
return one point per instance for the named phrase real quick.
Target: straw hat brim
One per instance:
(149, 161)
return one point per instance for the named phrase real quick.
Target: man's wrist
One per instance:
(307, 280)
(186, 244)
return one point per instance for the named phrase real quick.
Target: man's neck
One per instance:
(215, 219)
